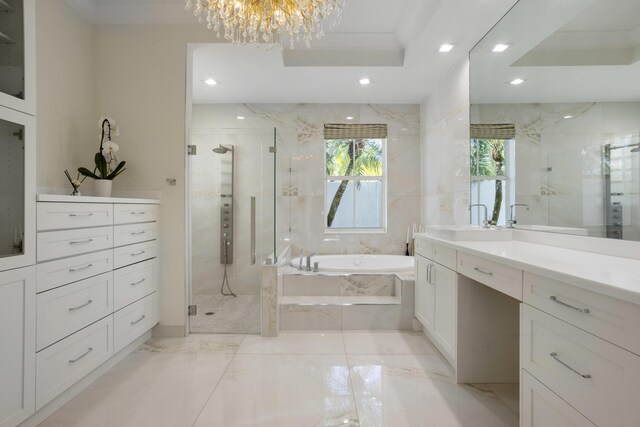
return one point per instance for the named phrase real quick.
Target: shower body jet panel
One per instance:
(226, 203)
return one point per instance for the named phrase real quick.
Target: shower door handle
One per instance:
(253, 230)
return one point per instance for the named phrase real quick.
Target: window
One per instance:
(492, 183)
(355, 182)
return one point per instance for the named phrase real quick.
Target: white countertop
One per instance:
(91, 199)
(609, 275)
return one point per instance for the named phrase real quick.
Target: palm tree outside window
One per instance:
(355, 184)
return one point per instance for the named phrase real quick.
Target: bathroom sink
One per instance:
(468, 232)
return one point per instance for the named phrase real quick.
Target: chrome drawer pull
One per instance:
(137, 233)
(486, 273)
(74, 215)
(86, 267)
(81, 306)
(138, 213)
(81, 242)
(138, 253)
(138, 282)
(89, 350)
(555, 356)
(138, 321)
(581, 310)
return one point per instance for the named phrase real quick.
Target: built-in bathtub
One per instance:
(360, 264)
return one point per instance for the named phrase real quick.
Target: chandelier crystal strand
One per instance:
(266, 21)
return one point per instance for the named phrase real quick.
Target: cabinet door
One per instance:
(425, 294)
(17, 56)
(18, 348)
(446, 291)
(17, 189)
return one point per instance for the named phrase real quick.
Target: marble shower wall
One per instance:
(571, 192)
(445, 151)
(300, 174)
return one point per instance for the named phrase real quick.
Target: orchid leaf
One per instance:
(87, 172)
(101, 165)
(117, 170)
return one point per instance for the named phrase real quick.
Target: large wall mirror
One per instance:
(555, 113)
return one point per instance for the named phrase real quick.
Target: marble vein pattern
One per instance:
(315, 379)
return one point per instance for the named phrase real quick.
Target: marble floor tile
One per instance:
(146, 389)
(283, 391)
(509, 394)
(416, 391)
(196, 343)
(387, 343)
(289, 342)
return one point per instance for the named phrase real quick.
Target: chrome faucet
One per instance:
(301, 258)
(309, 261)
(485, 223)
(512, 214)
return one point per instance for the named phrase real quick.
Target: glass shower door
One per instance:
(232, 226)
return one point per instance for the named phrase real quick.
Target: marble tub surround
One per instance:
(297, 379)
(300, 174)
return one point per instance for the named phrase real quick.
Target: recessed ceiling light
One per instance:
(568, 117)
(211, 82)
(516, 82)
(240, 117)
(365, 81)
(447, 47)
(349, 118)
(500, 47)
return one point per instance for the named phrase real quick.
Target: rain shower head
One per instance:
(222, 149)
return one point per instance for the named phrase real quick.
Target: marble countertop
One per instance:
(614, 276)
(91, 199)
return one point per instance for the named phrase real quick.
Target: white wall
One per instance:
(444, 142)
(66, 126)
(140, 80)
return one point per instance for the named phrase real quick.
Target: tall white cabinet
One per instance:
(17, 211)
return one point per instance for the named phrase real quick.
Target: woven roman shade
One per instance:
(354, 131)
(493, 131)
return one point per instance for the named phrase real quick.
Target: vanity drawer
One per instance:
(609, 318)
(68, 361)
(128, 255)
(57, 216)
(135, 213)
(57, 273)
(133, 233)
(599, 379)
(497, 276)
(60, 244)
(133, 283)
(65, 310)
(543, 408)
(134, 320)
(444, 256)
(423, 247)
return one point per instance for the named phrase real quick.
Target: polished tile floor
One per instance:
(300, 379)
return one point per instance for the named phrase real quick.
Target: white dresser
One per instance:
(96, 284)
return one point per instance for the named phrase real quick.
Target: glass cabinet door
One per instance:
(17, 51)
(17, 198)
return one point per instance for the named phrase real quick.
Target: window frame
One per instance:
(383, 196)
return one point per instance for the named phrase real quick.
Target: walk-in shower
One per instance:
(232, 217)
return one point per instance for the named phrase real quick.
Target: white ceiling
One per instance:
(394, 43)
(583, 51)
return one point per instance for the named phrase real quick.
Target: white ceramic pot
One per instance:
(103, 187)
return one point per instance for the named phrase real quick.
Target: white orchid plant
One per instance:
(108, 166)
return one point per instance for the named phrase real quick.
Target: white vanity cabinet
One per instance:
(97, 284)
(17, 345)
(436, 295)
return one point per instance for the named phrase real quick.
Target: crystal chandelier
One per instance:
(266, 21)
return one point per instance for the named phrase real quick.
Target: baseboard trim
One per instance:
(78, 387)
(168, 331)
